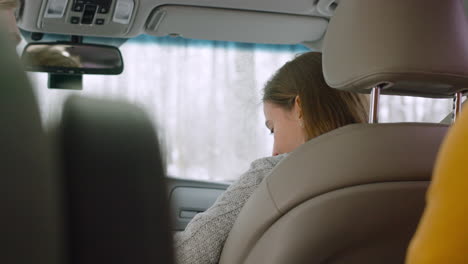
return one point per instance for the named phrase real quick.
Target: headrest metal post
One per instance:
(457, 106)
(374, 105)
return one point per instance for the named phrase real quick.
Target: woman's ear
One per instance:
(298, 107)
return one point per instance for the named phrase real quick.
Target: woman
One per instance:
(298, 106)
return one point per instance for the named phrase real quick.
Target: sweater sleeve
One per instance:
(204, 237)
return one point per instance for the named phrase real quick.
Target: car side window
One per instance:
(205, 100)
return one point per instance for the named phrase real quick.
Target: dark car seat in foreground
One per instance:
(115, 191)
(30, 226)
(97, 196)
(355, 195)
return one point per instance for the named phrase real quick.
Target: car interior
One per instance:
(93, 186)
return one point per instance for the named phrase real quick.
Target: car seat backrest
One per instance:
(30, 226)
(115, 192)
(339, 197)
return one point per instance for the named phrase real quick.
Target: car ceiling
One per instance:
(256, 21)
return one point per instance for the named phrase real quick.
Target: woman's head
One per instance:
(299, 105)
(7, 18)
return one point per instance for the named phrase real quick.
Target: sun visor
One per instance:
(417, 47)
(234, 25)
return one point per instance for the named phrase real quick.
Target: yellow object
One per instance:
(442, 235)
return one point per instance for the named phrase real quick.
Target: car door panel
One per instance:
(190, 197)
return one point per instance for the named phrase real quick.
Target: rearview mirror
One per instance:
(71, 58)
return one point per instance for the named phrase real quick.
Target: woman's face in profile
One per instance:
(285, 126)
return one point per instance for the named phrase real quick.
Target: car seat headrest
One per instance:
(417, 47)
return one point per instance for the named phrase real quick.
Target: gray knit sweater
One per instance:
(204, 237)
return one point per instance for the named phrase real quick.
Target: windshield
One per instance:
(204, 98)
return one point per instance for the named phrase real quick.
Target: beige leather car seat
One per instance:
(355, 195)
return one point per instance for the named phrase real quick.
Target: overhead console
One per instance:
(81, 17)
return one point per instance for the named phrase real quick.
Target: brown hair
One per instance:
(323, 108)
(8, 4)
